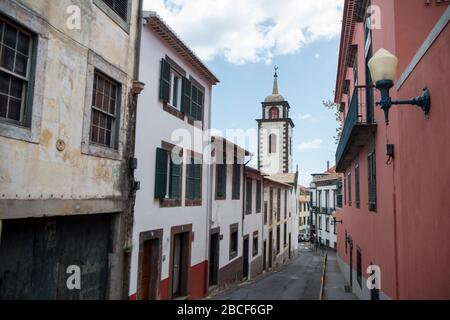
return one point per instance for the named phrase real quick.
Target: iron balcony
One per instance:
(359, 127)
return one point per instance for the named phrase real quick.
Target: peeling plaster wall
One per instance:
(38, 170)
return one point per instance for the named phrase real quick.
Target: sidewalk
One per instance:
(335, 282)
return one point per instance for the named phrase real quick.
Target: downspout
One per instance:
(208, 219)
(137, 87)
(244, 193)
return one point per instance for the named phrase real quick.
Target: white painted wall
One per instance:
(323, 234)
(153, 126)
(254, 222)
(224, 214)
(271, 163)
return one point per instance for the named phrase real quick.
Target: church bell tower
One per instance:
(275, 134)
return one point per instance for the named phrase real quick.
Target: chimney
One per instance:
(328, 166)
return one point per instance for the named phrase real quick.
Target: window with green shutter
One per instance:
(164, 82)
(194, 188)
(221, 181)
(168, 176)
(175, 181)
(248, 197)
(186, 96)
(258, 196)
(196, 104)
(162, 157)
(236, 181)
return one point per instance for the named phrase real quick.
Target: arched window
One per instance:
(274, 113)
(272, 143)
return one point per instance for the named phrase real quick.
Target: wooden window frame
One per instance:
(26, 80)
(115, 117)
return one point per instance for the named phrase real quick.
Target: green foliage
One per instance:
(333, 106)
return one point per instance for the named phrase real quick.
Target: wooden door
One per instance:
(150, 270)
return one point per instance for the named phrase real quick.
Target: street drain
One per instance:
(347, 289)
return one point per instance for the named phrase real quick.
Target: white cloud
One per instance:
(312, 145)
(251, 30)
(303, 117)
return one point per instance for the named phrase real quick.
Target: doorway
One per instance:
(290, 242)
(180, 261)
(34, 257)
(150, 265)
(214, 258)
(270, 248)
(246, 260)
(265, 255)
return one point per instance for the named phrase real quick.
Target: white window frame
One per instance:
(174, 74)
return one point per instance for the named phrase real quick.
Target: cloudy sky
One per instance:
(241, 41)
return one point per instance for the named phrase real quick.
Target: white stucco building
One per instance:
(253, 219)
(172, 210)
(226, 242)
(324, 191)
(303, 207)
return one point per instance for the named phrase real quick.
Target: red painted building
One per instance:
(395, 210)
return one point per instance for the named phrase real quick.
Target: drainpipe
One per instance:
(130, 154)
(244, 193)
(208, 220)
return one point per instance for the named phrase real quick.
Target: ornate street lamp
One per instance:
(383, 68)
(334, 218)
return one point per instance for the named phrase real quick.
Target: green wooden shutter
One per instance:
(221, 180)
(198, 181)
(175, 180)
(164, 83)
(190, 186)
(161, 173)
(186, 96)
(199, 106)
(236, 181)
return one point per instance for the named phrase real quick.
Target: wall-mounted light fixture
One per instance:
(383, 68)
(334, 218)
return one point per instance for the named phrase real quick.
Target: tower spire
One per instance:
(275, 82)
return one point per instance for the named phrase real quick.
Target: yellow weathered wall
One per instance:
(40, 171)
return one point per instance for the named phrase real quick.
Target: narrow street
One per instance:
(299, 280)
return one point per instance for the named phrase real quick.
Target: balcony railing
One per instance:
(359, 125)
(328, 210)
